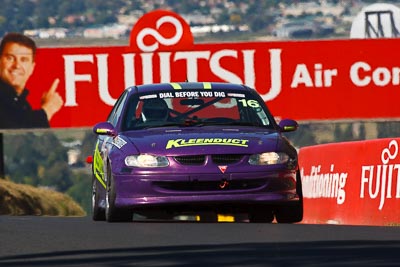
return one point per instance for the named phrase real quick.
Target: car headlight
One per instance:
(146, 161)
(268, 158)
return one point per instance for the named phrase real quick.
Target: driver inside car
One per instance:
(155, 110)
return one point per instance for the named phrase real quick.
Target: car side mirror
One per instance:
(104, 128)
(288, 125)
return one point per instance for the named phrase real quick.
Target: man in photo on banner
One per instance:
(17, 62)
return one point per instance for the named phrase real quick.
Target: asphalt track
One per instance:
(60, 241)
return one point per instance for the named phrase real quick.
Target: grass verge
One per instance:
(21, 199)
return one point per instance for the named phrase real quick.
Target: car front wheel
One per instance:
(261, 215)
(114, 214)
(98, 213)
(292, 213)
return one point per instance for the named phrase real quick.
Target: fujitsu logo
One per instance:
(161, 30)
(159, 38)
(380, 179)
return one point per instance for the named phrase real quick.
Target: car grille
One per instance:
(191, 160)
(226, 158)
(217, 159)
(211, 185)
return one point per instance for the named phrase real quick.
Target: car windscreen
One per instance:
(195, 108)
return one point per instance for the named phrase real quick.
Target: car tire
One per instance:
(261, 216)
(112, 213)
(289, 214)
(208, 217)
(98, 213)
(292, 213)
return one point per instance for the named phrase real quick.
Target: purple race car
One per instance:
(194, 148)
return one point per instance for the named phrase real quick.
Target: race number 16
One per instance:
(249, 103)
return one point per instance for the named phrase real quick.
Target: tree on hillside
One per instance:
(13, 14)
(88, 143)
(81, 189)
(37, 159)
(388, 129)
(303, 136)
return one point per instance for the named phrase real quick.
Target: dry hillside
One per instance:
(20, 199)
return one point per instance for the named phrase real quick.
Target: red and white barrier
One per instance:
(354, 183)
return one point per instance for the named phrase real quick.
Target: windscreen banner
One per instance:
(356, 183)
(301, 80)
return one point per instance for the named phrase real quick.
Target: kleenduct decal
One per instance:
(206, 142)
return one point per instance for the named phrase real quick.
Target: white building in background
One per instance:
(107, 31)
(57, 33)
(73, 156)
(324, 8)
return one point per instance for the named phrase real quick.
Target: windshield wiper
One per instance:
(232, 123)
(168, 124)
(199, 123)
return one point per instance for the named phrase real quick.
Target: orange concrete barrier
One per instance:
(355, 183)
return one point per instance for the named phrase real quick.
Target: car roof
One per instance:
(189, 86)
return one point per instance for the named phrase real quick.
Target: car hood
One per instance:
(203, 140)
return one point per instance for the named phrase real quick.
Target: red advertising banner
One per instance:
(302, 80)
(352, 183)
